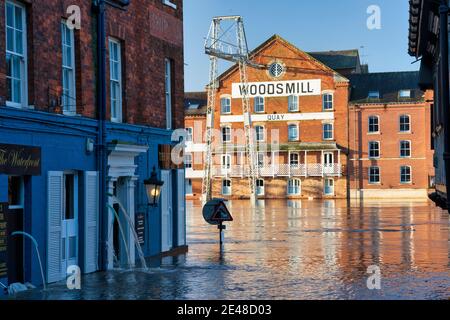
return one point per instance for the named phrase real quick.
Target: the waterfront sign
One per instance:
(278, 88)
(20, 160)
(3, 241)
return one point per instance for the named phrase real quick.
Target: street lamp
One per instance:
(153, 187)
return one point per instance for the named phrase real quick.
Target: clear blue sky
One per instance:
(310, 25)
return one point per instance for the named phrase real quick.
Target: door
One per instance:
(69, 241)
(166, 212)
(15, 218)
(181, 205)
(329, 187)
(328, 163)
(188, 186)
(62, 224)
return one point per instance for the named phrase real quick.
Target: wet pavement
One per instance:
(293, 250)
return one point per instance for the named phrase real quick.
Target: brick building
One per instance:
(307, 142)
(49, 112)
(390, 140)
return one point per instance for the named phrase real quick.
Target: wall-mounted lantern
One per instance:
(153, 187)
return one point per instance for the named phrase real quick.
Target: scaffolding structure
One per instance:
(227, 41)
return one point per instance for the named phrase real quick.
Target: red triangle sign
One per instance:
(221, 213)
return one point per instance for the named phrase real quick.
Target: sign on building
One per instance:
(279, 88)
(20, 160)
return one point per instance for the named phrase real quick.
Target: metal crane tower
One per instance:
(226, 40)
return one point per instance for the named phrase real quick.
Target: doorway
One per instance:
(16, 196)
(328, 162)
(69, 241)
(166, 212)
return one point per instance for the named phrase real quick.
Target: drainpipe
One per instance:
(443, 46)
(101, 111)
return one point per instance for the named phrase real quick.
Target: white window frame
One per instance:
(292, 161)
(169, 3)
(379, 150)
(260, 188)
(377, 124)
(400, 123)
(294, 184)
(257, 135)
(230, 190)
(168, 92)
(296, 126)
(117, 115)
(188, 161)
(189, 134)
(323, 131)
(401, 93)
(293, 101)
(370, 175)
(408, 149)
(259, 101)
(226, 135)
(69, 99)
(410, 175)
(226, 100)
(326, 102)
(373, 94)
(225, 162)
(23, 57)
(260, 159)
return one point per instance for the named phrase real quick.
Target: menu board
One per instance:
(140, 228)
(3, 240)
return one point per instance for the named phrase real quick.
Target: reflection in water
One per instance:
(294, 250)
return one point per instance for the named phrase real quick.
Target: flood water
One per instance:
(293, 250)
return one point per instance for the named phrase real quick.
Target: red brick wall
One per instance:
(142, 57)
(421, 159)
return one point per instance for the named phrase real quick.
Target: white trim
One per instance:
(379, 149)
(294, 180)
(410, 175)
(169, 3)
(168, 92)
(399, 123)
(119, 111)
(24, 64)
(400, 149)
(369, 175)
(71, 109)
(280, 117)
(298, 132)
(378, 123)
(225, 97)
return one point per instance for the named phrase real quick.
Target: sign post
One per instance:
(215, 212)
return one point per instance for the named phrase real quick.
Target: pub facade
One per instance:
(50, 130)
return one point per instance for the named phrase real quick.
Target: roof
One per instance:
(388, 84)
(325, 68)
(338, 60)
(195, 103)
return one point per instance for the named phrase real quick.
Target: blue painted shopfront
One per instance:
(63, 141)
